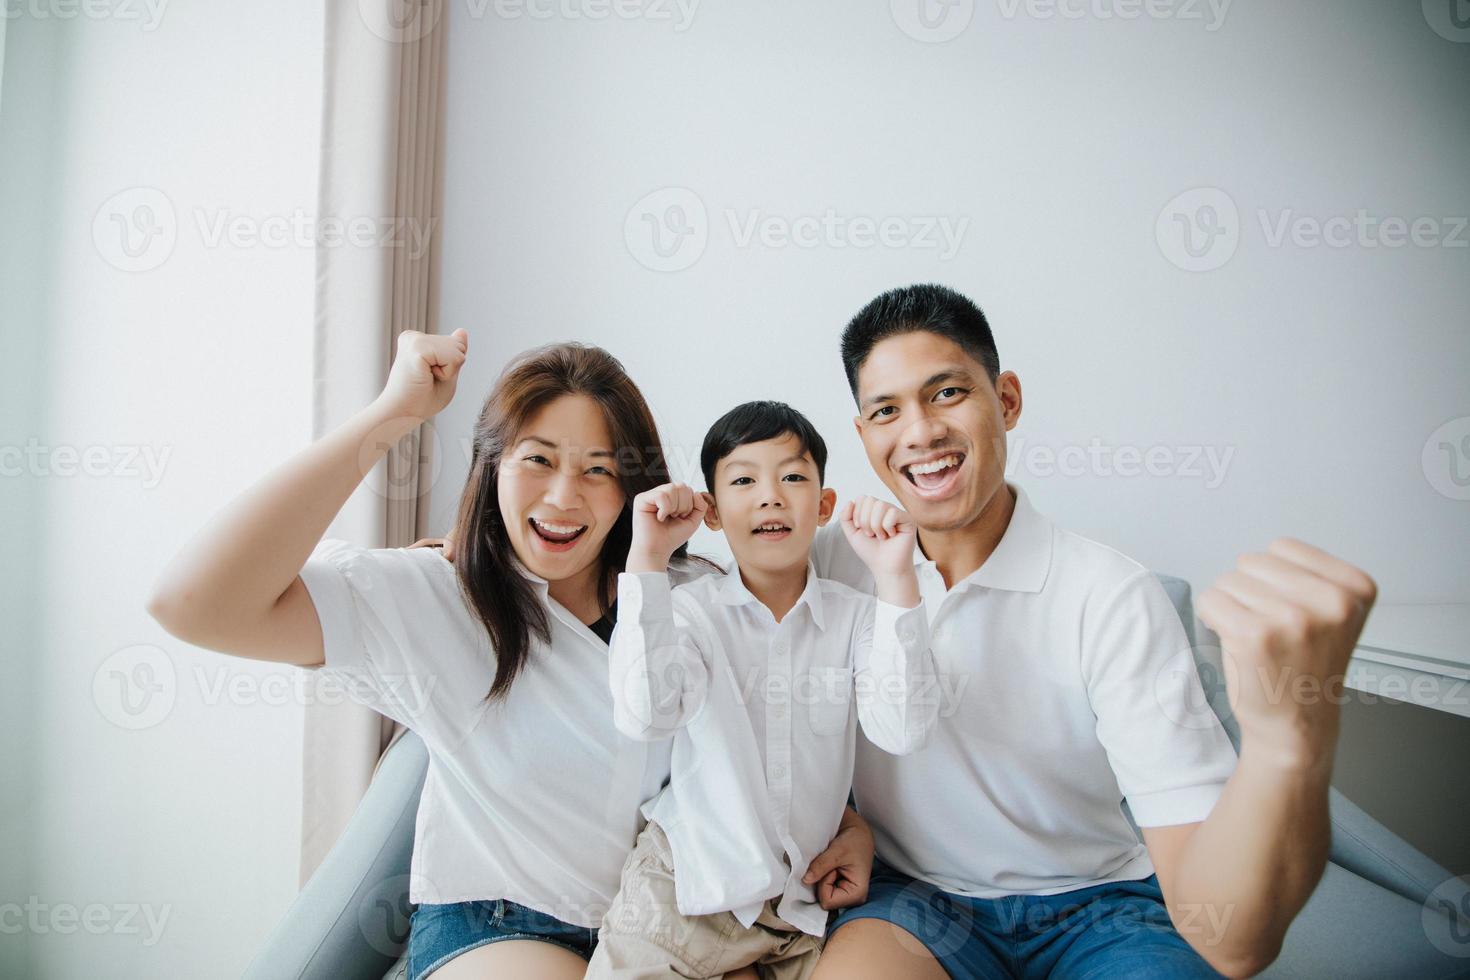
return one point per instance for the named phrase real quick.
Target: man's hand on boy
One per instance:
(663, 519)
(883, 537)
(839, 875)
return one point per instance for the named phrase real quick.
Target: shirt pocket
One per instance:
(828, 698)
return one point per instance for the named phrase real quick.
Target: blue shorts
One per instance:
(439, 933)
(1119, 929)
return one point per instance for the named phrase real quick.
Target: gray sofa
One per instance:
(1370, 917)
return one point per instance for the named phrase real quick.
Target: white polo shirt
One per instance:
(1059, 664)
(763, 727)
(533, 798)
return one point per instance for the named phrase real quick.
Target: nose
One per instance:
(564, 492)
(771, 497)
(926, 431)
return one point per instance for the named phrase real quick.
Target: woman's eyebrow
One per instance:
(596, 453)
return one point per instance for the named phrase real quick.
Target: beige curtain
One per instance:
(383, 84)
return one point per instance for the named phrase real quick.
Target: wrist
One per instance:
(897, 588)
(643, 560)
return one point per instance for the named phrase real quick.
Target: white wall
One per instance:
(184, 815)
(1322, 371)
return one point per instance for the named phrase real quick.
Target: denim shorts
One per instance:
(439, 933)
(1113, 930)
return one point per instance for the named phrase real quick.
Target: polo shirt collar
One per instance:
(1022, 558)
(732, 592)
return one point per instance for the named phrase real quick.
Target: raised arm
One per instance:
(235, 587)
(894, 665)
(655, 666)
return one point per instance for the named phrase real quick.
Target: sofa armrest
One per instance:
(351, 919)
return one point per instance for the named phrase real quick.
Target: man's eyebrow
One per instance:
(948, 374)
(594, 453)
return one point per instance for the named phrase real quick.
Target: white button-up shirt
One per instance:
(763, 727)
(1068, 686)
(533, 798)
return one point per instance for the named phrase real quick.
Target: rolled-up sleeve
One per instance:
(1167, 749)
(898, 704)
(657, 671)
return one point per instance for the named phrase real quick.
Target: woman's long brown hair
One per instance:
(490, 574)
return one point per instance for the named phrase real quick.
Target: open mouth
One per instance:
(556, 537)
(772, 531)
(934, 477)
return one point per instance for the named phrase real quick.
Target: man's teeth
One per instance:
(934, 466)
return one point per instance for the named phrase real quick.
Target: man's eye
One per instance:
(880, 413)
(951, 390)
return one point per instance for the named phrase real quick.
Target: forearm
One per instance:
(1247, 870)
(655, 668)
(238, 567)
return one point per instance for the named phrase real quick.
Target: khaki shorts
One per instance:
(644, 936)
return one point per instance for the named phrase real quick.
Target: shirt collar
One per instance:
(1022, 558)
(732, 592)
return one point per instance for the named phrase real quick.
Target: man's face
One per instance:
(933, 425)
(769, 502)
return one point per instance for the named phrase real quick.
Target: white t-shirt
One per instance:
(533, 798)
(1067, 686)
(762, 721)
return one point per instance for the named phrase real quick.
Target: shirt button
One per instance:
(779, 771)
(778, 711)
(906, 634)
(779, 648)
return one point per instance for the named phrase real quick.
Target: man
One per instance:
(1002, 848)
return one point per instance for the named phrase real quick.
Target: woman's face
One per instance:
(558, 488)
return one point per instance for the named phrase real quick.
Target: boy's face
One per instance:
(769, 502)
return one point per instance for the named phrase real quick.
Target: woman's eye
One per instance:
(538, 459)
(600, 471)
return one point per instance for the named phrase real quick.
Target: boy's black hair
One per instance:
(757, 422)
(937, 309)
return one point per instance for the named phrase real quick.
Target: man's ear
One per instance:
(827, 506)
(1008, 390)
(711, 513)
(857, 425)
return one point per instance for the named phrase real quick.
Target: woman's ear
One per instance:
(711, 512)
(826, 506)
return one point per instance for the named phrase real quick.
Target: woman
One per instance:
(497, 660)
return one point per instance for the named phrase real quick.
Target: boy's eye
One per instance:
(741, 481)
(793, 476)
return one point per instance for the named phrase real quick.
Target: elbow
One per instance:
(169, 609)
(629, 726)
(1242, 963)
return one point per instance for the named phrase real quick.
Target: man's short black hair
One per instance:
(937, 309)
(757, 422)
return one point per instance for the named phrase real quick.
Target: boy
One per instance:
(754, 674)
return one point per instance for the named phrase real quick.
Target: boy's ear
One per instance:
(712, 513)
(827, 506)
